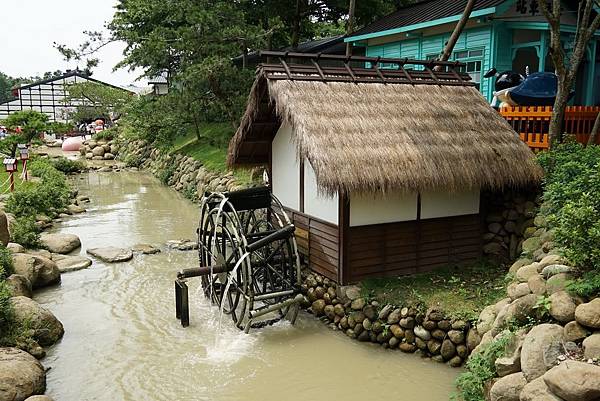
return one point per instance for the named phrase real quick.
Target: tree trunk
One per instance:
(296, 26)
(558, 112)
(458, 29)
(595, 130)
(350, 27)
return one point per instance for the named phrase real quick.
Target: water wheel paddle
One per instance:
(249, 265)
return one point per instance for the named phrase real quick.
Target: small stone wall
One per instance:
(429, 333)
(98, 150)
(508, 217)
(182, 173)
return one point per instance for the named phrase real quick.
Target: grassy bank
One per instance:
(461, 292)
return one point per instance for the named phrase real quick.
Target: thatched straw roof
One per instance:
(366, 137)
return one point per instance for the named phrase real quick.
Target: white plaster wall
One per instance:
(318, 205)
(443, 204)
(286, 170)
(395, 207)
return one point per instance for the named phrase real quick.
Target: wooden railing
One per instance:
(532, 123)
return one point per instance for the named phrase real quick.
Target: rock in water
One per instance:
(146, 249)
(39, 398)
(574, 381)
(47, 328)
(59, 242)
(39, 271)
(71, 263)
(19, 285)
(111, 254)
(21, 375)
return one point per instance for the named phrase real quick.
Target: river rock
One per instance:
(591, 346)
(552, 270)
(385, 312)
(434, 346)
(537, 342)
(562, 307)
(525, 272)
(588, 314)
(397, 331)
(517, 290)
(358, 304)
(329, 312)
(40, 252)
(21, 375)
(448, 349)
(67, 263)
(456, 336)
(409, 348)
(518, 264)
(574, 332)
(486, 319)
(473, 339)
(318, 307)
(146, 249)
(394, 317)
(98, 151)
(558, 282)
(39, 271)
(537, 284)
(111, 254)
(4, 233)
(15, 248)
(75, 209)
(39, 398)
(574, 381)
(422, 333)
(60, 242)
(508, 388)
(19, 285)
(47, 328)
(537, 390)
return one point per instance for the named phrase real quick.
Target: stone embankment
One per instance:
(99, 150)
(429, 333)
(180, 172)
(556, 353)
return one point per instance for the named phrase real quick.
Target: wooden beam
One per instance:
(343, 227)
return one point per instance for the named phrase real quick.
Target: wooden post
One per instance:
(350, 26)
(12, 182)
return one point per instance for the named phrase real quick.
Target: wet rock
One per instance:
(385, 312)
(75, 209)
(409, 348)
(574, 332)
(574, 381)
(473, 339)
(591, 346)
(588, 314)
(21, 375)
(111, 254)
(318, 307)
(39, 271)
(68, 263)
(397, 331)
(456, 336)
(19, 285)
(537, 342)
(448, 349)
(394, 317)
(146, 249)
(562, 307)
(508, 388)
(422, 333)
(455, 362)
(47, 328)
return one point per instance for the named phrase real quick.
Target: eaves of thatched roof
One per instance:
(375, 137)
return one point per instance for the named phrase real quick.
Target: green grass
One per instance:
(210, 149)
(461, 292)
(5, 182)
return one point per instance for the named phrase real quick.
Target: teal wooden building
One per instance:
(505, 34)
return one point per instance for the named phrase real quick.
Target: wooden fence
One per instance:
(532, 123)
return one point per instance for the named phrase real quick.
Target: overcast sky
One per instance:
(28, 28)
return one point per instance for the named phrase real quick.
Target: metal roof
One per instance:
(68, 74)
(425, 11)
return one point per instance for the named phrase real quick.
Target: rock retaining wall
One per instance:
(182, 173)
(429, 333)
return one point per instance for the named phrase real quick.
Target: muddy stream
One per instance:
(122, 341)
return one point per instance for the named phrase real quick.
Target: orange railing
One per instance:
(532, 122)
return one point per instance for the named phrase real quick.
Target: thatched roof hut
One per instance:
(420, 137)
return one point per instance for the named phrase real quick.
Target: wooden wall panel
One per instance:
(387, 250)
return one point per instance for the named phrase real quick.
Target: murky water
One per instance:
(122, 340)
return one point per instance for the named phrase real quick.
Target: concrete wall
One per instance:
(286, 169)
(444, 204)
(368, 209)
(318, 205)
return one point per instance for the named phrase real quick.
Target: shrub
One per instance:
(6, 313)
(108, 134)
(587, 286)
(132, 161)
(6, 262)
(165, 174)
(24, 231)
(68, 166)
(481, 368)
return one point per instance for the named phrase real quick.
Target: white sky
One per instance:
(28, 28)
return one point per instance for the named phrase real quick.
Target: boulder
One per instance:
(68, 263)
(394, 317)
(525, 272)
(4, 233)
(588, 314)
(591, 346)
(574, 332)
(98, 151)
(537, 342)
(562, 307)
(75, 209)
(422, 333)
(508, 388)
(39, 398)
(511, 362)
(456, 336)
(552, 270)
(518, 264)
(39, 271)
(40, 252)
(21, 375)
(473, 339)
(518, 311)
(358, 304)
(46, 327)
(536, 390)
(146, 249)
(15, 248)
(517, 290)
(111, 254)
(385, 312)
(537, 284)
(448, 349)
(318, 307)
(574, 381)
(486, 319)
(532, 244)
(60, 242)
(558, 282)
(409, 348)
(19, 285)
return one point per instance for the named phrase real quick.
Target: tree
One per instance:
(458, 29)
(30, 123)
(6, 84)
(96, 100)
(567, 66)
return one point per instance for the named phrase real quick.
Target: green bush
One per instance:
(108, 134)
(481, 368)
(587, 286)
(165, 174)
(6, 262)
(132, 161)
(24, 231)
(572, 201)
(68, 166)
(6, 313)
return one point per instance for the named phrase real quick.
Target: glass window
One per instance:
(473, 60)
